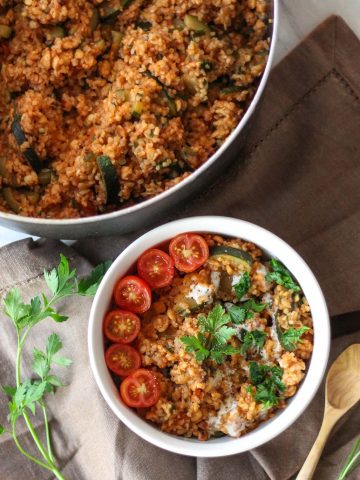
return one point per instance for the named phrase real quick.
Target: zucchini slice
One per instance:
(44, 176)
(236, 256)
(5, 32)
(94, 20)
(31, 156)
(170, 101)
(57, 31)
(9, 198)
(109, 178)
(194, 23)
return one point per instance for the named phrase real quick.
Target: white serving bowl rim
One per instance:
(271, 245)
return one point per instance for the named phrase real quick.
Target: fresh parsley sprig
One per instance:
(240, 313)
(30, 394)
(243, 285)
(268, 382)
(281, 276)
(211, 340)
(254, 339)
(290, 338)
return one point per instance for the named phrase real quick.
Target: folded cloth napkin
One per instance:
(299, 176)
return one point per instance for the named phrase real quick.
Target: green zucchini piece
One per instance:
(94, 20)
(8, 195)
(109, 178)
(57, 31)
(137, 109)
(144, 25)
(234, 255)
(168, 98)
(232, 89)
(193, 23)
(110, 10)
(116, 39)
(20, 137)
(5, 32)
(44, 176)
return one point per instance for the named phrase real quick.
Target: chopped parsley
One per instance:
(281, 276)
(267, 380)
(214, 333)
(254, 339)
(240, 313)
(291, 337)
(242, 287)
(206, 65)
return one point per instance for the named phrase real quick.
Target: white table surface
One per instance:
(297, 19)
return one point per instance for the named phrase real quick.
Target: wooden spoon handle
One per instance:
(307, 471)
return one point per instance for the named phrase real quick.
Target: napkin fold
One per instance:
(299, 176)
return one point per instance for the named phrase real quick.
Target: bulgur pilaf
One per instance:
(227, 341)
(105, 104)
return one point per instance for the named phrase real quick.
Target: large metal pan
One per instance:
(137, 216)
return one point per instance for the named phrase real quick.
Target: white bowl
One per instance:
(272, 246)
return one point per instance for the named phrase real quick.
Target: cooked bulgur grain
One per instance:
(155, 87)
(203, 397)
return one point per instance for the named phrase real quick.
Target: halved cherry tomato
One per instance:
(121, 326)
(189, 251)
(140, 389)
(133, 294)
(122, 359)
(156, 267)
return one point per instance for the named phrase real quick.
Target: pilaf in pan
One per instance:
(104, 104)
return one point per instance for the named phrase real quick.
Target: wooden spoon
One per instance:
(342, 392)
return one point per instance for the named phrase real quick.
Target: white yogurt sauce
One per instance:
(215, 278)
(228, 419)
(201, 293)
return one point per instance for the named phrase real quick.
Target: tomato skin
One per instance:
(121, 326)
(189, 251)
(122, 359)
(140, 389)
(156, 268)
(133, 294)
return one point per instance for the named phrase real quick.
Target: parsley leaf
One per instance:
(195, 344)
(291, 337)
(214, 333)
(253, 305)
(268, 382)
(219, 352)
(88, 286)
(253, 339)
(240, 313)
(281, 276)
(242, 287)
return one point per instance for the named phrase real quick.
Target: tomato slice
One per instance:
(189, 251)
(140, 389)
(133, 294)
(121, 326)
(156, 267)
(122, 359)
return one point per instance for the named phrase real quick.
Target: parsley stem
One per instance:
(350, 467)
(24, 452)
(47, 431)
(28, 422)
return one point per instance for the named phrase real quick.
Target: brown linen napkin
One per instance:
(300, 178)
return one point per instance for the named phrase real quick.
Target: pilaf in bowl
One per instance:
(208, 336)
(106, 104)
